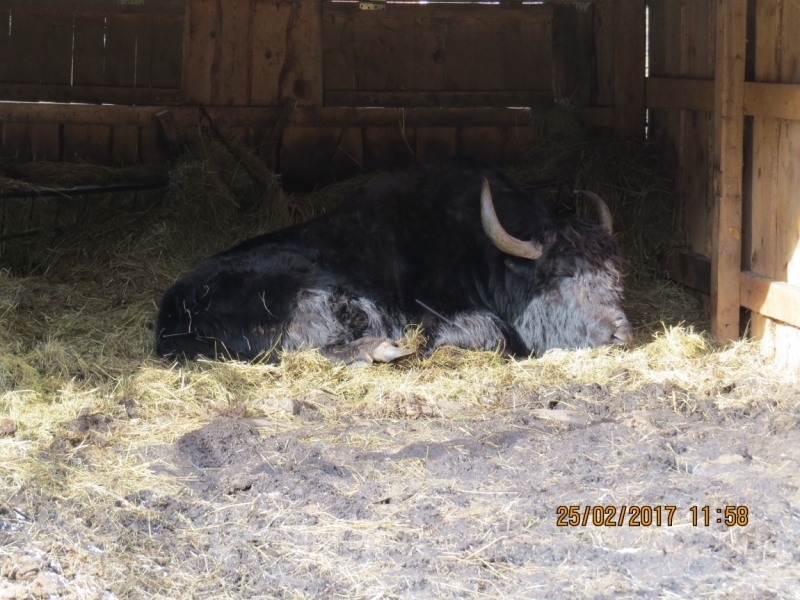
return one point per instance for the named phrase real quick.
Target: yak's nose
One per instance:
(623, 333)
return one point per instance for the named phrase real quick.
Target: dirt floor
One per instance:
(127, 476)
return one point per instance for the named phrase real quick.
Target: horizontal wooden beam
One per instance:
(439, 98)
(691, 94)
(778, 100)
(444, 10)
(103, 7)
(86, 93)
(774, 299)
(265, 116)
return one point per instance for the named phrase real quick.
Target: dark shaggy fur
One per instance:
(411, 238)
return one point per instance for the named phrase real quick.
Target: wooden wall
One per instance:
(685, 47)
(462, 59)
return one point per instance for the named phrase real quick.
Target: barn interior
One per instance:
(139, 137)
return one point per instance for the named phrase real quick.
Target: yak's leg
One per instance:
(366, 350)
(469, 330)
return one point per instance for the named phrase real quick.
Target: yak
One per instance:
(455, 246)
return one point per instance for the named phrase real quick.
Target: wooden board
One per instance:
(388, 147)
(56, 48)
(120, 68)
(604, 41)
(87, 142)
(125, 145)
(485, 143)
(89, 66)
(573, 52)
(268, 51)
(14, 140)
(728, 156)
(439, 98)
(25, 56)
(436, 141)
(233, 54)
(200, 51)
(45, 141)
(629, 95)
(430, 48)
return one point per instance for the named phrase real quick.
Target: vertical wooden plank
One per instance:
(728, 152)
(436, 141)
(268, 51)
(485, 143)
(200, 46)
(573, 52)
(337, 51)
(25, 48)
(368, 53)
(234, 75)
(527, 62)
(629, 94)
(301, 74)
(90, 50)
(56, 48)
(399, 48)
(789, 238)
(150, 147)
(430, 53)
(167, 51)
(44, 141)
(87, 142)
(120, 69)
(125, 146)
(148, 51)
(488, 67)
(14, 142)
(604, 36)
(388, 147)
(5, 44)
(461, 51)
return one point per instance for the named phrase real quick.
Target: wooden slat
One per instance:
(690, 94)
(369, 58)
(56, 49)
(438, 98)
(44, 141)
(461, 55)
(515, 11)
(25, 48)
(89, 93)
(303, 79)
(234, 75)
(268, 51)
(125, 145)
(775, 100)
(120, 69)
(87, 142)
(149, 50)
(90, 51)
(573, 53)
(629, 80)
(388, 147)
(14, 140)
(485, 143)
(102, 7)
(728, 149)
(436, 141)
(337, 51)
(257, 117)
(773, 299)
(430, 54)
(605, 36)
(200, 51)
(764, 295)
(398, 47)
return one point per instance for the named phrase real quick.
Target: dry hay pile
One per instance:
(84, 403)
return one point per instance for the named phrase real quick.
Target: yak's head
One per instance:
(565, 291)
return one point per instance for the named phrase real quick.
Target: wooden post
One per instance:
(629, 80)
(726, 241)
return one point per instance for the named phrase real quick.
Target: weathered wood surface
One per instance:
(423, 49)
(629, 81)
(726, 239)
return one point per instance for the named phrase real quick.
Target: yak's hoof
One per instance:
(366, 350)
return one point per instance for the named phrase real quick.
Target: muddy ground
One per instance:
(438, 501)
